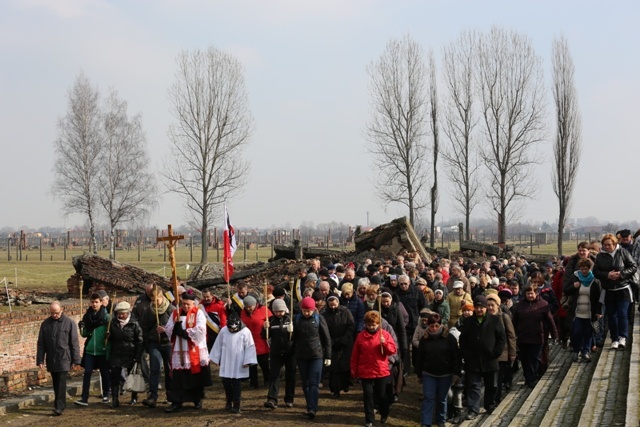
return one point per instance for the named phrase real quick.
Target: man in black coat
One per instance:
(58, 345)
(482, 339)
(413, 301)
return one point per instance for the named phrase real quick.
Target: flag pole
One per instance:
(266, 308)
(380, 311)
(155, 299)
(291, 312)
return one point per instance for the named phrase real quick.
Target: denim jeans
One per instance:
(435, 391)
(373, 391)
(618, 319)
(159, 355)
(581, 334)
(92, 362)
(310, 373)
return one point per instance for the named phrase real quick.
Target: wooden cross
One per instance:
(170, 242)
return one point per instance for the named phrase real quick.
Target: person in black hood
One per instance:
(341, 328)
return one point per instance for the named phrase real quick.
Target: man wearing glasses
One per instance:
(58, 345)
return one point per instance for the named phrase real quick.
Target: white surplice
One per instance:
(234, 352)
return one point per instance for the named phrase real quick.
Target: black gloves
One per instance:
(178, 331)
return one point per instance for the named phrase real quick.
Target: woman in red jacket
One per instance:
(369, 363)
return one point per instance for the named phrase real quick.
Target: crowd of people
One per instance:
(461, 328)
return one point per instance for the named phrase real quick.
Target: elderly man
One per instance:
(458, 276)
(482, 339)
(190, 372)
(58, 346)
(413, 301)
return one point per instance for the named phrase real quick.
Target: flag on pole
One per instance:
(229, 242)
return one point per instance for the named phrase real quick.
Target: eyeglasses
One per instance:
(56, 313)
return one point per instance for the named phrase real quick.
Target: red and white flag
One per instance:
(229, 241)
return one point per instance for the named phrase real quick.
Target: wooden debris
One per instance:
(392, 237)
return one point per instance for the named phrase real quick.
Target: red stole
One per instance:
(194, 350)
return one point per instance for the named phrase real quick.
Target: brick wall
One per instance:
(20, 329)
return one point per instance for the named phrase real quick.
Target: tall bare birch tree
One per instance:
(126, 188)
(396, 132)
(513, 108)
(460, 120)
(77, 153)
(567, 143)
(212, 126)
(433, 102)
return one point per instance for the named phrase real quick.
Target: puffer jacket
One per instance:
(367, 360)
(126, 344)
(311, 337)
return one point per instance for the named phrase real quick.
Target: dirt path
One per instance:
(346, 411)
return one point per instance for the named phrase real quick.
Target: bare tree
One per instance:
(433, 100)
(77, 153)
(213, 124)
(399, 123)
(567, 144)
(512, 103)
(460, 119)
(126, 188)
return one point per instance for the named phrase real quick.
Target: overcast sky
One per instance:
(305, 73)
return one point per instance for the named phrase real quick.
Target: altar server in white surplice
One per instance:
(234, 351)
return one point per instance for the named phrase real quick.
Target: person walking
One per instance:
(256, 318)
(370, 364)
(482, 339)
(438, 365)
(234, 351)
(157, 344)
(341, 328)
(125, 337)
(312, 343)
(615, 268)
(532, 319)
(584, 308)
(280, 355)
(58, 350)
(190, 371)
(94, 327)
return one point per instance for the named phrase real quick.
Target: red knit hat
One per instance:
(307, 303)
